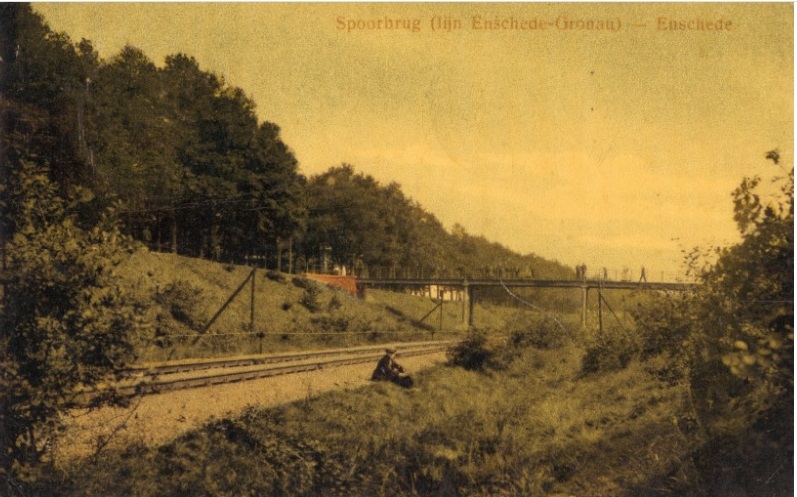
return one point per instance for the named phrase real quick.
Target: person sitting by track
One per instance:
(387, 369)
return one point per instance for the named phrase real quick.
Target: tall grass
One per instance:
(529, 423)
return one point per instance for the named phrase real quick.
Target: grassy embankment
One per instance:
(182, 294)
(529, 422)
(535, 418)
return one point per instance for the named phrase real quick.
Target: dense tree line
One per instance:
(183, 150)
(377, 231)
(197, 174)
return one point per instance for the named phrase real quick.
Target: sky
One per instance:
(605, 134)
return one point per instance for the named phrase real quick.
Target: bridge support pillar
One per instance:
(467, 304)
(584, 300)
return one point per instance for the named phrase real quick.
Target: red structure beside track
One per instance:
(347, 283)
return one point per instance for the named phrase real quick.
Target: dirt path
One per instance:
(155, 419)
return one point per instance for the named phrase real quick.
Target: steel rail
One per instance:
(155, 385)
(159, 386)
(187, 367)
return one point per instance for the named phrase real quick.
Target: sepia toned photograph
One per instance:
(382, 249)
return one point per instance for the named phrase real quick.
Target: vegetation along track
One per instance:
(157, 378)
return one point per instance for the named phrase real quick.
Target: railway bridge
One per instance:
(467, 287)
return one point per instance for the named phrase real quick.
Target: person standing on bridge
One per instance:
(387, 369)
(642, 276)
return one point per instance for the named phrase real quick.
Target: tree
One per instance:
(135, 140)
(362, 222)
(243, 192)
(745, 307)
(43, 86)
(43, 109)
(734, 339)
(67, 323)
(359, 219)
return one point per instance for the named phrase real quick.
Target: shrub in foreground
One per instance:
(67, 321)
(611, 351)
(470, 353)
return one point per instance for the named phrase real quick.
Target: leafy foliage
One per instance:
(472, 352)
(181, 148)
(66, 322)
(744, 312)
(178, 313)
(44, 105)
(734, 339)
(362, 222)
(311, 298)
(609, 352)
(739, 326)
(663, 324)
(182, 300)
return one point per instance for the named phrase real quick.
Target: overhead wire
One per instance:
(529, 304)
(288, 333)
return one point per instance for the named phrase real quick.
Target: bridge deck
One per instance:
(527, 283)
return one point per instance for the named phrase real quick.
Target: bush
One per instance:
(182, 300)
(526, 332)
(331, 323)
(610, 352)
(310, 299)
(334, 303)
(276, 276)
(663, 324)
(67, 320)
(471, 353)
(302, 283)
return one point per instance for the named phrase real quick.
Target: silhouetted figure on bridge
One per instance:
(387, 369)
(642, 276)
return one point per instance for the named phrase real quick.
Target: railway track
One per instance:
(158, 378)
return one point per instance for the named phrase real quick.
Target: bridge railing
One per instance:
(602, 274)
